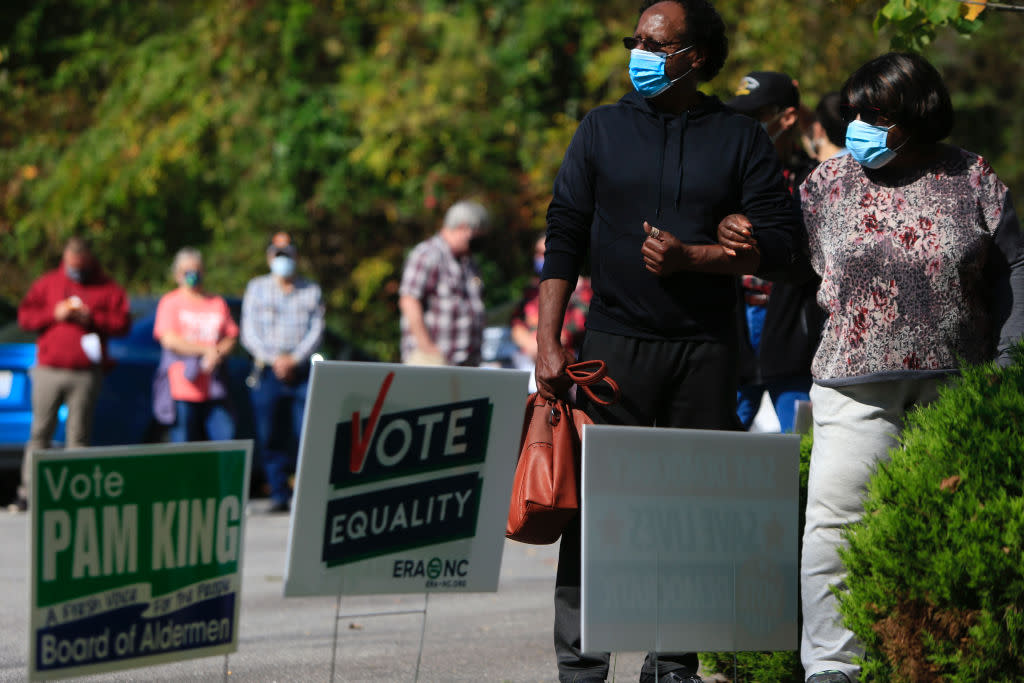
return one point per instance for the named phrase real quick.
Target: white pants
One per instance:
(854, 428)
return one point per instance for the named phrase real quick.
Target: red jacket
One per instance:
(60, 343)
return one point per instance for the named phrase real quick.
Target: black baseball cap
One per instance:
(281, 244)
(759, 89)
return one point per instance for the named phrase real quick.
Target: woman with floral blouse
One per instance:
(921, 258)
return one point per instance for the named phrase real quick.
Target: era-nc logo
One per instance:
(385, 445)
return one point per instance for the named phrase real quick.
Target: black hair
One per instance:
(705, 29)
(908, 90)
(830, 116)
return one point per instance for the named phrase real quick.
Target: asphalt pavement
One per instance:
(503, 636)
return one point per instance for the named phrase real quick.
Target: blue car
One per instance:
(124, 412)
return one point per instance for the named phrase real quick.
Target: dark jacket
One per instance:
(628, 163)
(793, 320)
(792, 330)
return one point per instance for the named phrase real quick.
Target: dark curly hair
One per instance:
(705, 29)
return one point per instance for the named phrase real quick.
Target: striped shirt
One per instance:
(449, 290)
(276, 322)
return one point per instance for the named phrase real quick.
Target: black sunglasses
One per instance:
(631, 43)
(868, 114)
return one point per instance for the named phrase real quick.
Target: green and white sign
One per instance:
(136, 555)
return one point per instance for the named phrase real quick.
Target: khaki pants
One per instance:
(50, 388)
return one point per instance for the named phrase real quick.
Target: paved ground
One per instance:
(504, 636)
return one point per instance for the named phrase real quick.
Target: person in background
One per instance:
(75, 308)
(197, 333)
(779, 323)
(826, 135)
(527, 315)
(440, 296)
(641, 192)
(921, 257)
(282, 327)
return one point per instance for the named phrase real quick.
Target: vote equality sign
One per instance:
(689, 540)
(136, 555)
(404, 479)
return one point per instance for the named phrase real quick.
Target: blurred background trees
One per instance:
(152, 124)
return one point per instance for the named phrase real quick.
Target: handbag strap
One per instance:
(590, 372)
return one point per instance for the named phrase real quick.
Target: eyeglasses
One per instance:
(868, 114)
(632, 42)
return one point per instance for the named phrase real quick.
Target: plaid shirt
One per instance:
(449, 289)
(276, 322)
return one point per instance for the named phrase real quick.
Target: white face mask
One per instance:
(282, 266)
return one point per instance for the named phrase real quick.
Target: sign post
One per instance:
(404, 481)
(689, 540)
(136, 555)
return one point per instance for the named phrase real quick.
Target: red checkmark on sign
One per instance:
(360, 443)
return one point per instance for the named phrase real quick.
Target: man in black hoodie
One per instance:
(642, 190)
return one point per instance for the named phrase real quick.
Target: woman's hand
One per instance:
(736, 234)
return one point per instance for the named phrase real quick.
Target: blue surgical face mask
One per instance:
(282, 266)
(538, 264)
(192, 278)
(867, 144)
(75, 274)
(647, 71)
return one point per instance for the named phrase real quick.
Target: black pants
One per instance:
(664, 384)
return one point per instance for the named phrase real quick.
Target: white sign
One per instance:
(404, 479)
(689, 540)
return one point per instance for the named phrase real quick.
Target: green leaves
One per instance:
(935, 575)
(152, 124)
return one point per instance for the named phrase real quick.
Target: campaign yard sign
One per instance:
(689, 540)
(136, 555)
(404, 479)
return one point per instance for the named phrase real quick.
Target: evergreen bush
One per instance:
(936, 568)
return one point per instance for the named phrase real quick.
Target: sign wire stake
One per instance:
(338, 616)
(423, 633)
(227, 671)
(334, 646)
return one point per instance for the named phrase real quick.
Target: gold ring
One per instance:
(655, 232)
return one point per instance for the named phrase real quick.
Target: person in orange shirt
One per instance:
(197, 332)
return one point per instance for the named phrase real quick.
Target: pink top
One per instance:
(200, 320)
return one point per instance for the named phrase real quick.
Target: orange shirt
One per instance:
(201, 320)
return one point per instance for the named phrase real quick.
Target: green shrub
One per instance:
(936, 568)
(765, 667)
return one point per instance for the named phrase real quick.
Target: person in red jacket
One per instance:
(74, 308)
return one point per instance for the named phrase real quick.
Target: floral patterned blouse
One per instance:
(919, 273)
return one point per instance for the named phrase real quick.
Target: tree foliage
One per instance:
(151, 125)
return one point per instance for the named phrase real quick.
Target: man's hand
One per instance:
(736, 234)
(284, 367)
(552, 382)
(663, 254)
(72, 310)
(62, 310)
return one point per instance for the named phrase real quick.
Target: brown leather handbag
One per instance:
(545, 492)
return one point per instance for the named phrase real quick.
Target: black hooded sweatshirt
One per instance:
(683, 173)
